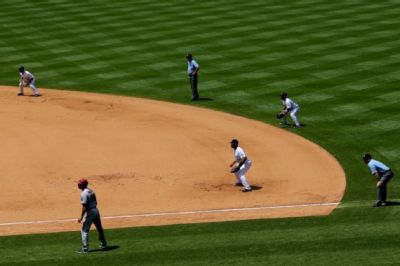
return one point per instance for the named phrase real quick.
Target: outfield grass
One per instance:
(338, 59)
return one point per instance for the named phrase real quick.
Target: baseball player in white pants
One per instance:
(89, 207)
(26, 79)
(243, 165)
(289, 107)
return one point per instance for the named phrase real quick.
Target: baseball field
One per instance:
(119, 69)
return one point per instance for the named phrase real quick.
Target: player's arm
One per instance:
(82, 213)
(196, 68)
(376, 174)
(378, 179)
(287, 108)
(232, 163)
(242, 161)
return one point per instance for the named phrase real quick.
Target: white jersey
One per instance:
(289, 104)
(240, 154)
(192, 65)
(88, 198)
(26, 76)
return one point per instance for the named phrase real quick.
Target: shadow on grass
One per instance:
(392, 203)
(204, 99)
(108, 248)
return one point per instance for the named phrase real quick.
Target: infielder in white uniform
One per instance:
(289, 107)
(89, 207)
(26, 79)
(240, 166)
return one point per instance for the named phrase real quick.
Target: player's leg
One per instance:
(238, 181)
(383, 188)
(294, 117)
(33, 87)
(195, 92)
(381, 196)
(100, 230)
(21, 88)
(284, 122)
(246, 185)
(191, 86)
(241, 173)
(85, 230)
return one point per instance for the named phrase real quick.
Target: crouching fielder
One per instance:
(289, 107)
(240, 166)
(26, 79)
(89, 207)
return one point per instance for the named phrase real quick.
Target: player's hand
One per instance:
(79, 220)
(378, 184)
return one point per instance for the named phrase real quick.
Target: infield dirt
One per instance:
(148, 157)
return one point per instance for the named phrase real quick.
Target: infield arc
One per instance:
(145, 156)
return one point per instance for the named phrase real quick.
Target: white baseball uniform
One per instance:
(292, 108)
(88, 199)
(240, 175)
(27, 79)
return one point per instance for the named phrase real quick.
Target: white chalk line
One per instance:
(178, 213)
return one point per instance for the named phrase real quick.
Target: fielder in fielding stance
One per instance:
(240, 166)
(289, 107)
(89, 207)
(383, 174)
(26, 79)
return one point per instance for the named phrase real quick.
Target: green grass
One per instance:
(338, 59)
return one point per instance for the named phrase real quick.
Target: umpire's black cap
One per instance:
(367, 156)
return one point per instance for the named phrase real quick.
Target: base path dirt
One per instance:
(150, 163)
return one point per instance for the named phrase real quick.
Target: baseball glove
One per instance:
(235, 168)
(280, 115)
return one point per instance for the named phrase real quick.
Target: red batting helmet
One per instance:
(82, 183)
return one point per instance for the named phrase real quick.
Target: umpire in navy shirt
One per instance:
(383, 174)
(193, 69)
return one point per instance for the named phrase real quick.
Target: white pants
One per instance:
(241, 178)
(30, 84)
(92, 216)
(293, 116)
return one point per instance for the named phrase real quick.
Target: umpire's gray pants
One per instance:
(382, 191)
(193, 86)
(92, 216)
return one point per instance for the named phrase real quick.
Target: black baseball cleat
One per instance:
(103, 246)
(246, 190)
(82, 250)
(380, 204)
(37, 95)
(20, 94)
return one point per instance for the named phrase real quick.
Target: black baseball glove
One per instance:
(280, 115)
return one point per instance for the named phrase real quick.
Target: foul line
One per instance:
(178, 213)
